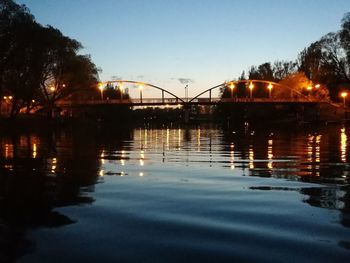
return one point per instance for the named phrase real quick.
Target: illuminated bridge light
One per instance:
(251, 87)
(270, 87)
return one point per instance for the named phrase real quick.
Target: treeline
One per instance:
(38, 64)
(325, 62)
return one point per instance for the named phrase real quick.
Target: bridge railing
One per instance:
(157, 101)
(175, 101)
(204, 100)
(272, 100)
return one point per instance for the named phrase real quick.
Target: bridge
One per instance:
(168, 98)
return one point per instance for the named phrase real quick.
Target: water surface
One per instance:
(172, 194)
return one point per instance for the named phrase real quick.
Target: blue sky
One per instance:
(205, 41)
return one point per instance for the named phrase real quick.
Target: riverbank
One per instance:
(322, 115)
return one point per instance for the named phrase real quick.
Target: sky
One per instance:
(202, 43)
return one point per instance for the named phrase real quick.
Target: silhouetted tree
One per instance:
(242, 77)
(64, 72)
(262, 72)
(345, 34)
(276, 72)
(309, 61)
(327, 61)
(112, 92)
(39, 63)
(281, 69)
(18, 37)
(296, 85)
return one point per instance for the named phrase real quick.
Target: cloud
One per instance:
(116, 78)
(185, 80)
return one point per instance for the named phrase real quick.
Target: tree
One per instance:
(112, 92)
(18, 34)
(345, 35)
(281, 69)
(272, 72)
(295, 85)
(262, 72)
(39, 63)
(309, 61)
(81, 79)
(327, 61)
(63, 71)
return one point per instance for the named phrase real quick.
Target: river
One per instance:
(175, 194)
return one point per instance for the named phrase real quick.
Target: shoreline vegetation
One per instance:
(162, 118)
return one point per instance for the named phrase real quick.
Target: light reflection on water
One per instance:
(212, 194)
(261, 155)
(343, 144)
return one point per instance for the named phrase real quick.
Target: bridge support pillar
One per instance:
(186, 113)
(162, 96)
(209, 95)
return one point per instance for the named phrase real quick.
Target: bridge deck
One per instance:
(176, 102)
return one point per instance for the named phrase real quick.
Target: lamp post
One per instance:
(100, 87)
(120, 86)
(186, 93)
(270, 87)
(140, 88)
(344, 95)
(232, 86)
(251, 87)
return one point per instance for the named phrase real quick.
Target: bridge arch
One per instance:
(236, 82)
(144, 84)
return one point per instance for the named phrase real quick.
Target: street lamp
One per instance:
(232, 86)
(100, 87)
(251, 87)
(52, 88)
(270, 87)
(120, 86)
(344, 95)
(140, 88)
(186, 92)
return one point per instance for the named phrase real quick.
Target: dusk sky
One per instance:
(203, 41)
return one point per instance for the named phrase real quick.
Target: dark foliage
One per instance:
(39, 65)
